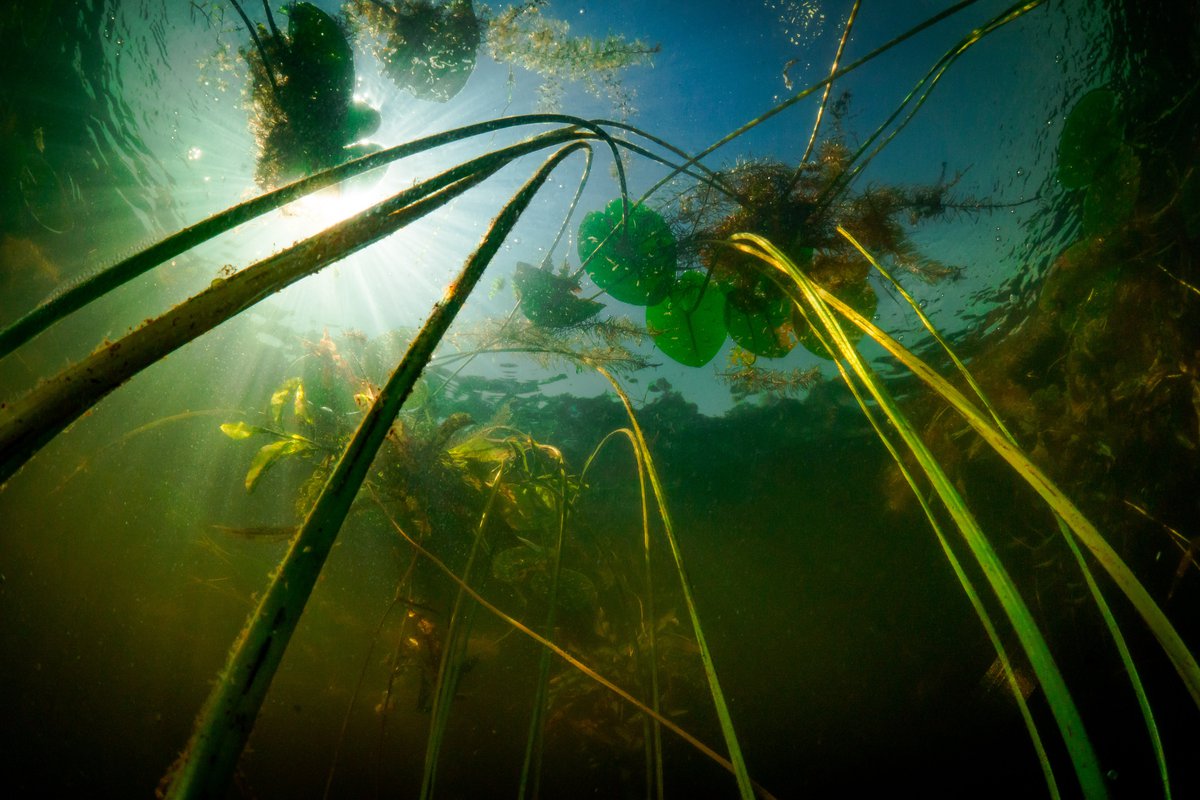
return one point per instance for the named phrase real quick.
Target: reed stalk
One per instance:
(228, 715)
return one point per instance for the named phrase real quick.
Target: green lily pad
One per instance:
(1111, 196)
(635, 266)
(689, 324)
(426, 47)
(322, 62)
(758, 320)
(1090, 138)
(550, 300)
(859, 296)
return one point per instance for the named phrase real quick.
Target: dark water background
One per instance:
(851, 660)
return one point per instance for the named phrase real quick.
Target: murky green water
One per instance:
(1037, 199)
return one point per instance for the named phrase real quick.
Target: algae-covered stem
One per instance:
(33, 420)
(228, 715)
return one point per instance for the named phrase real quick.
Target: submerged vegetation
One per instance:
(503, 542)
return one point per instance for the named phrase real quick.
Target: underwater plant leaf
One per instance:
(1111, 196)
(427, 48)
(820, 303)
(318, 43)
(550, 300)
(280, 396)
(689, 325)
(269, 454)
(859, 296)
(241, 430)
(1090, 137)
(758, 320)
(635, 266)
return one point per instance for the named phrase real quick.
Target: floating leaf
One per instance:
(859, 296)
(550, 300)
(269, 454)
(758, 319)
(635, 266)
(240, 430)
(1112, 194)
(426, 47)
(689, 325)
(321, 61)
(1090, 138)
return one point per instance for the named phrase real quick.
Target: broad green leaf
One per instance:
(280, 397)
(269, 454)
(1090, 138)
(240, 430)
(859, 296)
(689, 325)
(758, 320)
(1111, 196)
(635, 266)
(300, 405)
(550, 300)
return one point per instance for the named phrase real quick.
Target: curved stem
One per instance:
(28, 423)
(73, 297)
(225, 721)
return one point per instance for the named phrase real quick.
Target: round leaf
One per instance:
(426, 47)
(549, 300)
(859, 296)
(758, 320)
(1110, 198)
(634, 265)
(1090, 138)
(689, 324)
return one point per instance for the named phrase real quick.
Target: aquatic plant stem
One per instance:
(31, 421)
(75, 297)
(450, 665)
(1097, 597)
(228, 715)
(531, 763)
(927, 83)
(1062, 705)
(575, 662)
(964, 580)
(1177, 651)
(837, 57)
(745, 787)
(803, 93)
(654, 765)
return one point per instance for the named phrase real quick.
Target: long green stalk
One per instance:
(654, 762)
(968, 586)
(745, 785)
(453, 649)
(76, 296)
(228, 715)
(1160, 626)
(1110, 621)
(531, 763)
(31, 421)
(1059, 698)
(524, 629)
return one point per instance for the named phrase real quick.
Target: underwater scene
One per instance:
(532, 398)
